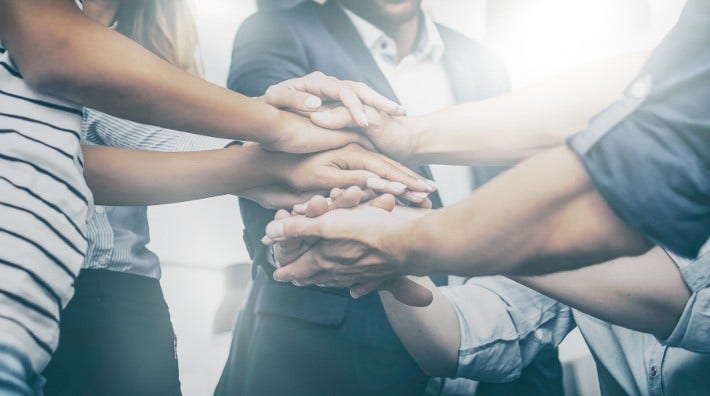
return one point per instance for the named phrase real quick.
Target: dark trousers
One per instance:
(116, 339)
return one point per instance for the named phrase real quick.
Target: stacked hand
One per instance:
(347, 164)
(354, 255)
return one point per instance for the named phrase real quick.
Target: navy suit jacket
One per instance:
(271, 47)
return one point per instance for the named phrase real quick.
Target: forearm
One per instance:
(81, 61)
(509, 128)
(645, 293)
(430, 334)
(127, 177)
(542, 216)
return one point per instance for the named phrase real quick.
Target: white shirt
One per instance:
(422, 86)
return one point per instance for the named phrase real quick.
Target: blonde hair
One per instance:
(164, 27)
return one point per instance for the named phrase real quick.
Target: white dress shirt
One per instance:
(422, 86)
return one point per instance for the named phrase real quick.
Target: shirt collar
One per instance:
(430, 46)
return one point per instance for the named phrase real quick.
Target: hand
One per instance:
(352, 166)
(286, 252)
(306, 95)
(388, 133)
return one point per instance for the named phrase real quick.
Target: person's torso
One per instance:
(633, 363)
(40, 154)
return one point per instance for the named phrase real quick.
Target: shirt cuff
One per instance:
(691, 332)
(192, 142)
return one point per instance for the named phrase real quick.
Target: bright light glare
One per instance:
(543, 37)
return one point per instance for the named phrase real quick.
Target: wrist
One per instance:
(419, 131)
(402, 248)
(251, 166)
(273, 122)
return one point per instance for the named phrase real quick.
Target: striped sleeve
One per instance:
(106, 130)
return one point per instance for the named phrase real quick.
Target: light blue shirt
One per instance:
(118, 235)
(504, 324)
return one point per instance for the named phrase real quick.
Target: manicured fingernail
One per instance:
(362, 119)
(432, 184)
(422, 185)
(313, 102)
(419, 195)
(354, 295)
(266, 240)
(275, 231)
(376, 183)
(399, 188)
(277, 277)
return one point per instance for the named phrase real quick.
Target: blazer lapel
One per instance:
(347, 36)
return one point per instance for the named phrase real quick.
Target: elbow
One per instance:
(53, 69)
(438, 362)
(53, 80)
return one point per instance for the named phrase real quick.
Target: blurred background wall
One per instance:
(534, 38)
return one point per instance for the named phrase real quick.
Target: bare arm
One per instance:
(542, 216)
(509, 128)
(62, 52)
(645, 293)
(131, 177)
(127, 177)
(501, 130)
(430, 334)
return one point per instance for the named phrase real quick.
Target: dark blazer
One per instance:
(314, 341)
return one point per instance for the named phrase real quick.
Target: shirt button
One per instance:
(654, 371)
(99, 209)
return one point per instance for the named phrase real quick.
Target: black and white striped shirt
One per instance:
(44, 207)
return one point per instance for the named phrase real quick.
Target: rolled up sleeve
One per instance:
(503, 326)
(693, 329)
(103, 129)
(648, 155)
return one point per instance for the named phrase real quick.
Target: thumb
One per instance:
(293, 227)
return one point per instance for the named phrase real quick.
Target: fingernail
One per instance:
(354, 295)
(376, 183)
(313, 102)
(277, 277)
(432, 184)
(295, 283)
(422, 185)
(419, 195)
(300, 208)
(362, 119)
(398, 187)
(275, 231)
